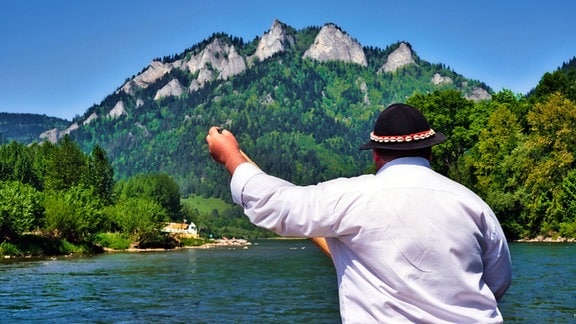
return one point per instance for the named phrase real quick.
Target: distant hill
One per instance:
(26, 128)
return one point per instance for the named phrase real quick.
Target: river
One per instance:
(274, 281)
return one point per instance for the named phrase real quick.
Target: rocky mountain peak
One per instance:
(331, 44)
(220, 57)
(217, 58)
(401, 57)
(273, 41)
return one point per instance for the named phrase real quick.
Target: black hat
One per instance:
(402, 127)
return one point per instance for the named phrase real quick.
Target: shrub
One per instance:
(139, 218)
(115, 241)
(74, 214)
(20, 208)
(192, 241)
(10, 249)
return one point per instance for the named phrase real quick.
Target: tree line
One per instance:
(517, 152)
(56, 199)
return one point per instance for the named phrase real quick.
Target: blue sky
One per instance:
(59, 57)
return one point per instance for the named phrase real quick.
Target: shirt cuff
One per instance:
(243, 173)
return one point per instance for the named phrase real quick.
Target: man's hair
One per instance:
(425, 152)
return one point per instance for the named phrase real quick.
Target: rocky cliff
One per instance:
(331, 44)
(401, 57)
(274, 41)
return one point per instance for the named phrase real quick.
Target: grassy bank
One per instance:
(31, 245)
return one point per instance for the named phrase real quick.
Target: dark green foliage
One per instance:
(20, 209)
(74, 214)
(159, 189)
(562, 80)
(62, 194)
(450, 113)
(17, 164)
(66, 166)
(567, 221)
(100, 175)
(26, 128)
(39, 245)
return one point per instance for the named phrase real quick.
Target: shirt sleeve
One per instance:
(279, 205)
(243, 173)
(497, 260)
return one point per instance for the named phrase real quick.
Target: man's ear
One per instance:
(378, 160)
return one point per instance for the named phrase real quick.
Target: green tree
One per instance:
(450, 113)
(74, 214)
(550, 156)
(567, 226)
(66, 166)
(16, 164)
(562, 81)
(139, 217)
(158, 187)
(101, 174)
(20, 209)
(499, 179)
(40, 154)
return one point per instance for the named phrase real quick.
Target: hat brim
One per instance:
(430, 141)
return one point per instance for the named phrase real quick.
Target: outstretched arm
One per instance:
(224, 149)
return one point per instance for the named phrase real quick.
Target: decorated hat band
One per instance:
(402, 138)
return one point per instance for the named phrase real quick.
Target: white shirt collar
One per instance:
(411, 160)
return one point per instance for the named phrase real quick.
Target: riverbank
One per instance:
(224, 242)
(41, 247)
(211, 244)
(545, 239)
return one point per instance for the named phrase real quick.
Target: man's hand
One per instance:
(224, 148)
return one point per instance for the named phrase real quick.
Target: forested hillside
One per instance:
(26, 128)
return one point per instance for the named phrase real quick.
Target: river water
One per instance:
(276, 281)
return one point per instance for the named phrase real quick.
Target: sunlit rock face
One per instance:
(331, 44)
(401, 57)
(274, 41)
(172, 88)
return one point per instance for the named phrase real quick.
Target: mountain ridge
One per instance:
(215, 59)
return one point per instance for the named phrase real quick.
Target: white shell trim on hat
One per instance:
(402, 138)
